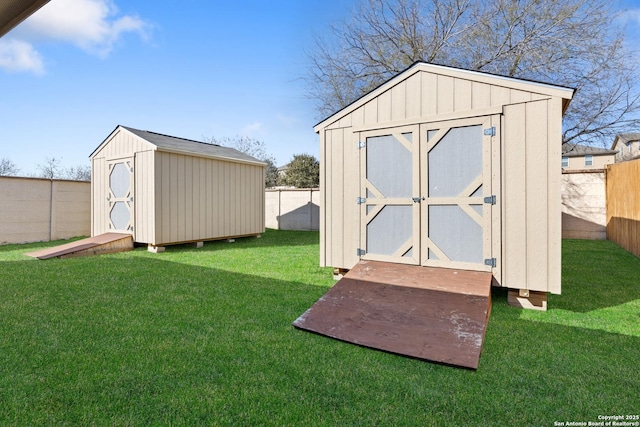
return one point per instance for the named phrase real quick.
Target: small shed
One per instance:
(446, 167)
(166, 190)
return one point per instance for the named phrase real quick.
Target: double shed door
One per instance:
(428, 194)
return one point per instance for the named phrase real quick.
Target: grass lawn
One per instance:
(204, 337)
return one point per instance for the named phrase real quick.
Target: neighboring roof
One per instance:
(563, 92)
(624, 138)
(173, 144)
(575, 150)
(13, 12)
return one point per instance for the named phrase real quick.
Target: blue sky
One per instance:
(192, 68)
(77, 68)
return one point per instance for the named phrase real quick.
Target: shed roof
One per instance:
(563, 92)
(575, 150)
(174, 144)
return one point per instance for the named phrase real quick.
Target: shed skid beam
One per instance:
(155, 249)
(534, 300)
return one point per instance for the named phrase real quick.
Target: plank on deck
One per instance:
(433, 314)
(101, 244)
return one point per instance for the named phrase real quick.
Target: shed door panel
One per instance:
(457, 177)
(390, 180)
(120, 212)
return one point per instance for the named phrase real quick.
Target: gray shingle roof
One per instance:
(188, 146)
(575, 150)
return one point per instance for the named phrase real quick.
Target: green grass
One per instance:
(204, 337)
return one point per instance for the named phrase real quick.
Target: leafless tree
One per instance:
(78, 173)
(50, 168)
(7, 167)
(574, 43)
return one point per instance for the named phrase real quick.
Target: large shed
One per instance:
(446, 167)
(167, 190)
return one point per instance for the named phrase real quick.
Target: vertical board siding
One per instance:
(536, 195)
(98, 196)
(554, 196)
(208, 199)
(144, 200)
(532, 219)
(623, 205)
(514, 256)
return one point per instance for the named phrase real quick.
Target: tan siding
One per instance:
(536, 195)
(351, 192)
(398, 101)
(429, 94)
(210, 199)
(531, 194)
(462, 95)
(480, 95)
(445, 95)
(384, 107)
(371, 112)
(324, 165)
(98, 197)
(144, 200)
(337, 198)
(514, 256)
(413, 88)
(554, 248)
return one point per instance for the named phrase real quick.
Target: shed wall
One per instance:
(203, 199)
(531, 152)
(531, 174)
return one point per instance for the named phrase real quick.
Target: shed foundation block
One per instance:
(198, 245)
(532, 300)
(156, 249)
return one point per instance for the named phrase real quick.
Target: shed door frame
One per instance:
(434, 133)
(124, 198)
(491, 176)
(382, 206)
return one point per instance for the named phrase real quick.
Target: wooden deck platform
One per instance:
(102, 244)
(434, 314)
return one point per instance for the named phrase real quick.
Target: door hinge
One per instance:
(490, 131)
(361, 200)
(362, 144)
(490, 199)
(490, 261)
(361, 252)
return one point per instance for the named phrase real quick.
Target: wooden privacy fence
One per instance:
(35, 209)
(623, 205)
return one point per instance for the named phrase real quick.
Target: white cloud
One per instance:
(92, 25)
(19, 56)
(631, 16)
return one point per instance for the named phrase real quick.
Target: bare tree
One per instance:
(572, 43)
(7, 167)
(50, 168)
(78, 173)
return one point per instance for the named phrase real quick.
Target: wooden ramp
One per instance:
(434, 314)
(102, 244)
